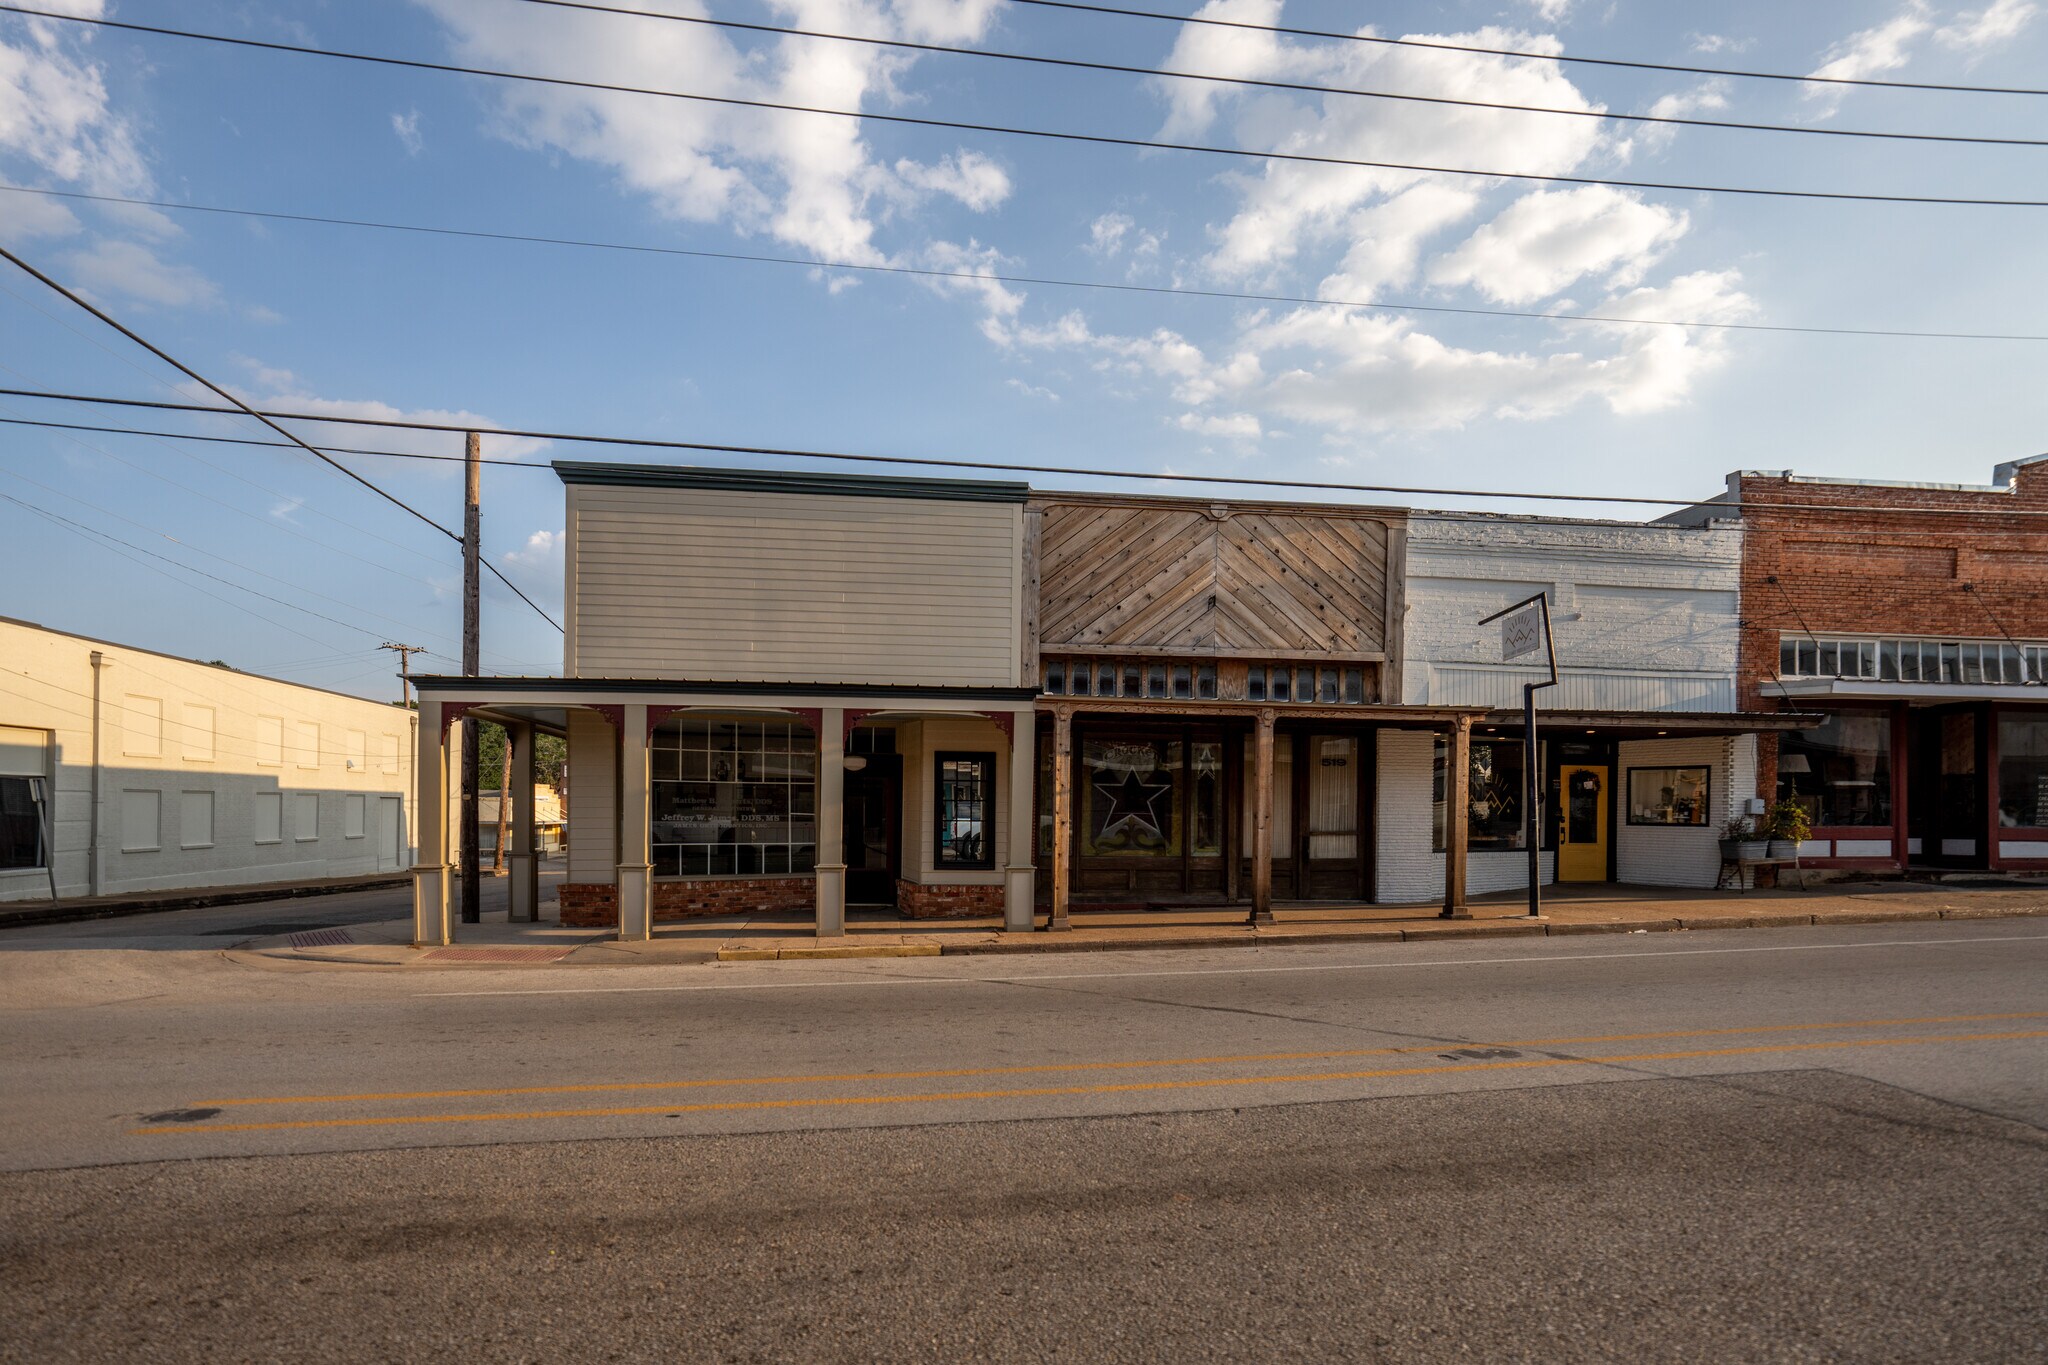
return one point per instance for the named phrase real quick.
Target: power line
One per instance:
(1432, 45)
(998, 466)
(1098, 139)
(199, 378)
(925, 272)
(1300, 86)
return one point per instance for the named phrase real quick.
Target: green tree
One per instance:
(550, 758)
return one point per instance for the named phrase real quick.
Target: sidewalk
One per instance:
(1601, 909)
(74, 908)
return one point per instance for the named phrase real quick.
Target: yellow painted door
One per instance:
(1582, 837)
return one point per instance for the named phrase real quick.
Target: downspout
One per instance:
(92, 848)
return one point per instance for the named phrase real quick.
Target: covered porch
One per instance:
(689, 800)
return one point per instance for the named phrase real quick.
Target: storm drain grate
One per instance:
(322, 938)
(297, 926)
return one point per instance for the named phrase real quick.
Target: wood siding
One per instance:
(720, 585)
(1200, 579)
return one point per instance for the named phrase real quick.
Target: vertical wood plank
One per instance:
(1262, 820)
(1062, 815)
(1034, 531)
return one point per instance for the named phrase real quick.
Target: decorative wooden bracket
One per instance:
(1006, 721)
(854, 716)
(452, 711)
(657, 714)
(813, 716)
(614, 714)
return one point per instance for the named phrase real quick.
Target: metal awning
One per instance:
(1660, 724)
(1925, 694)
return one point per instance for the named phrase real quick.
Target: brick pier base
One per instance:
(596, 904)
(919, 901)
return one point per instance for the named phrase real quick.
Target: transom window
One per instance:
(1322, 684)
(1153, 679)
(1913, 660)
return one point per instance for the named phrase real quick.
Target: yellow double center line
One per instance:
(1128, 1087)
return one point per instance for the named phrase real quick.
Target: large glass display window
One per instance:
(1494, 814)
(2023, 771)
(1130, 798)
(1840, 770)
(734, 798)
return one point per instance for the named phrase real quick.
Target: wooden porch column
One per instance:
(1062, 816)
(430, 873)
(1262, 820)
(831, 876)
(521, 866)
(1020, 876)
(1457, 816)
(636, 869)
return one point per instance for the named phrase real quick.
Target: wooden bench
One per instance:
(1751, 864)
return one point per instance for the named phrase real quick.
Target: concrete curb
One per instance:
(69, 912)
(848, 950)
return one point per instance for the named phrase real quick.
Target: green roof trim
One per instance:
(782, 481)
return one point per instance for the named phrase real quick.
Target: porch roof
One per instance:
(1412, 717)
(576, 691)
(1655, 724)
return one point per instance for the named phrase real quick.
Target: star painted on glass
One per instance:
(1134, 801)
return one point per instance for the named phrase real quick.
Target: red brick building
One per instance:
(1915, 617)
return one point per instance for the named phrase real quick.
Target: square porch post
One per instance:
(636, 870)
(1457, 815)
(522, 867)
(430, 872)
(1020, 877)
(1262, 820)
(831, 875)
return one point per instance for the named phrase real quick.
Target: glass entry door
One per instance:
(874, 842)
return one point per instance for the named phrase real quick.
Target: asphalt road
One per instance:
(1772, 1144)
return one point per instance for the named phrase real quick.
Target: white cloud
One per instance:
(26, 217)
(1292, 209)
(541, 565)
(1547, 240)
(1240, 426)
(1999, 22)
(969, 177)
(1719, 42)
(1551, 11)
(1709, 96)
(275, 388)
(808, 180)
(1869, 53)
(1106, 234)
(407, 126)
(112, 267)
(1039, 392)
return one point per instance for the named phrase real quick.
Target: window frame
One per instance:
(1706, 797)
(942, 857)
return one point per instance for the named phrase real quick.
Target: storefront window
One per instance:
(1130, 798)
(1841, 770)
(734, 799)
(1206, 799)
(1494, 818)
(2023, 771)
(964, 790)
(1667, 796)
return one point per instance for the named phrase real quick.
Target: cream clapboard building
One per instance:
(790, 692)
(125, 770)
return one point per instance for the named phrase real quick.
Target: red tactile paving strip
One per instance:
(322, 938)
(507, 953)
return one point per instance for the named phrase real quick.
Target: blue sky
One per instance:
(354, 322)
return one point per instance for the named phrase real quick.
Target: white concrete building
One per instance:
(125, 770)
(1647, 626)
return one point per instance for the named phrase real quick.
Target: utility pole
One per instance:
(405, 653)
(472, 571)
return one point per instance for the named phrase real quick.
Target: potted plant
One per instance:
(1740, 839)
(1788, 826)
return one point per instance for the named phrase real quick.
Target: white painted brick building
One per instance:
(1646, 619)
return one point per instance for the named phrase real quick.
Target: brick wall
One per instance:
(1409, 870)
(1946, 569)
(925, 901)
(596, 904)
